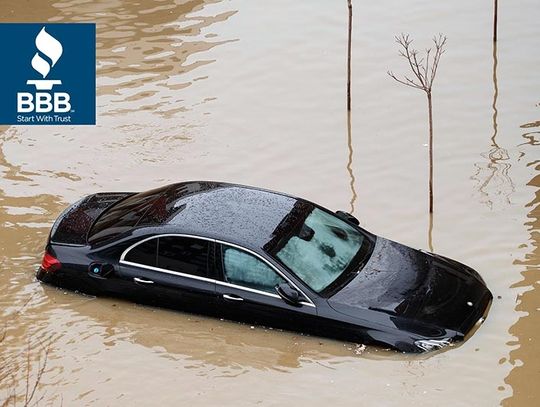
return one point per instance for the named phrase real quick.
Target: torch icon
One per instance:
(51, 48)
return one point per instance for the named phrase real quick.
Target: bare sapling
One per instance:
(424, 70)
(495, 18)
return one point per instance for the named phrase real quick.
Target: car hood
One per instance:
(416, 285)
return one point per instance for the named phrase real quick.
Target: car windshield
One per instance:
(322, 248)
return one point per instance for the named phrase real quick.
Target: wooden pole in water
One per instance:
(495, 16)
(349, 4)
(430, 114)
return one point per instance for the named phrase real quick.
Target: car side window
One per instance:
(144, 253)
(183, 255)
(243, 269)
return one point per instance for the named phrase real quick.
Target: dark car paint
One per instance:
(73, 224)
(408, 283)
(379, 304)
(230, 212)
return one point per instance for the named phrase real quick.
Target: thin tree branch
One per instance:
(407, 81)
(424, 69)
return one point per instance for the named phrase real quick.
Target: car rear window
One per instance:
(124, 215)
(146, 208)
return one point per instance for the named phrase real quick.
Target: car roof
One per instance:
(234, 213)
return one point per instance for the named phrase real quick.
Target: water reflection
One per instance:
(24, 229)
(350, 162)
(145, 49)
(15, 11)
(196, 341)
(523, 377)
(531, 137)
(430, 233)
(494, 182)
(149, 52)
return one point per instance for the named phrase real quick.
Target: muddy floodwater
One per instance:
(254, 92)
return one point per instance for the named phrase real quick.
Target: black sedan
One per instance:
(264, 257)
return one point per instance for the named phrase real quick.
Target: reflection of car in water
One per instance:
(254, 255)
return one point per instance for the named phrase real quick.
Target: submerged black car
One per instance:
(254, 255)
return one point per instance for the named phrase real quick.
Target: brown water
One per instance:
(254, 92)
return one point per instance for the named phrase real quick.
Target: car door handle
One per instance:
(232, 297)
(142, 280)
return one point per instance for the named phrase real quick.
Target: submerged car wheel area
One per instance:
(264, 257)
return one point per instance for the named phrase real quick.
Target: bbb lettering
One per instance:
(43, 102)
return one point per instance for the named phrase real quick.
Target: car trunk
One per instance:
(74, 222)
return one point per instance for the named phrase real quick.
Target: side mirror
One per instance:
(289, 294)
(347, 217)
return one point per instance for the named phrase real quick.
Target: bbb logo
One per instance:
(50, 78)
(51, 48)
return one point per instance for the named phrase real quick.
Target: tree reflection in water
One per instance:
(494, 182)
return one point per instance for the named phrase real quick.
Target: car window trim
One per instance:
(310, 303)
(253, 290)
(176, 273)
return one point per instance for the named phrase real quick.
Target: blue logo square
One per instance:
(49, 77)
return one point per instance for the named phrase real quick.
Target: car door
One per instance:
(171, 271)
(246, 291)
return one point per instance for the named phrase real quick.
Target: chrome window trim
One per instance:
(175, 273)
(122, 257)
(224, 283)
(253, 290)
